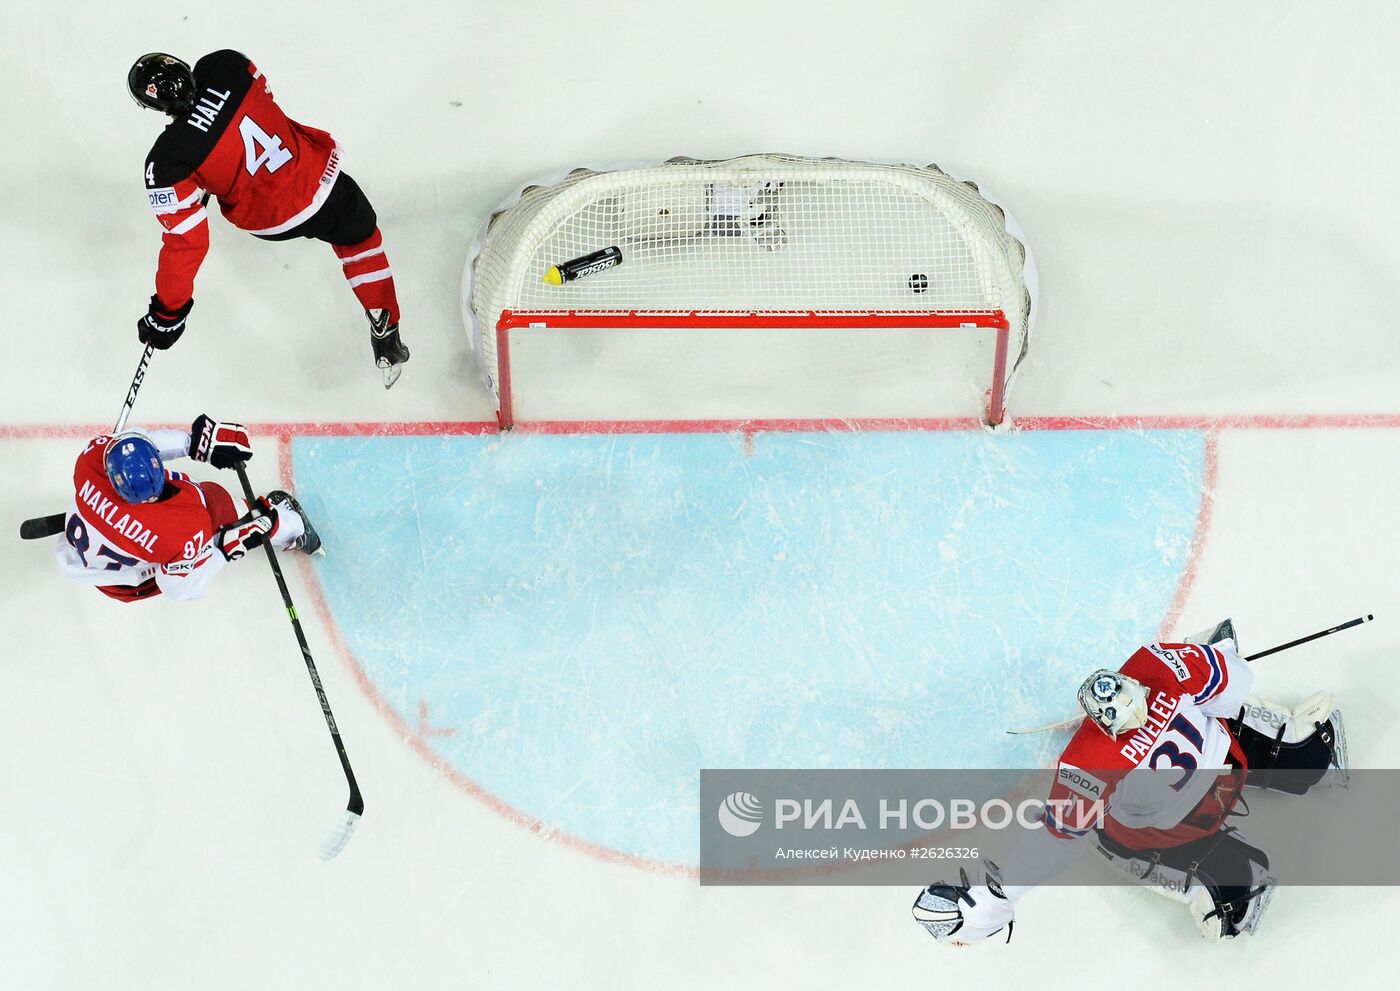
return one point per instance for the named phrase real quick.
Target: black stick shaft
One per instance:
(1311, 637)
(357, 804)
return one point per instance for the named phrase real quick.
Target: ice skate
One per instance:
(389, 351)
(310, 541)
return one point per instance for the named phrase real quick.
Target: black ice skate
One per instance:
(310, 541)
(389, 351)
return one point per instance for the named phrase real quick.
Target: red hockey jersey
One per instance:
(1153, 787)
(268, 172)
(1192, 689)
(108, 541)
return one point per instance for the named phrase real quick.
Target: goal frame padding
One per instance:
(479, 329)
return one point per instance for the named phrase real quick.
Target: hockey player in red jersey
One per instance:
(272, 176)
(1172, 709)
(135, 529)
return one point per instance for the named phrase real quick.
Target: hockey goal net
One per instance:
(762, 242)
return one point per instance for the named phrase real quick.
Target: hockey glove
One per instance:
(248, 533)
(222, 444)
(962, 914)
(161, 326)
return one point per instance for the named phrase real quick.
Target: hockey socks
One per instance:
(371, 279)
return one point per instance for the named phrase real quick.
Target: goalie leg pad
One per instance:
(1306, 742)
(1222, 879)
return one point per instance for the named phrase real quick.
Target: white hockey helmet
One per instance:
(1113, 701)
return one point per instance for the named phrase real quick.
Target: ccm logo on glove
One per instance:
(221, 444)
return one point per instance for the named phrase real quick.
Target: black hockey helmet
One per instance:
(162, 82)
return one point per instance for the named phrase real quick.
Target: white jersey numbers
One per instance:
(261, 149)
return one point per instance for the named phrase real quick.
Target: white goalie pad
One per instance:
(1298, 724)
(1315, 714)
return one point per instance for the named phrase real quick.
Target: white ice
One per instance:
(1211, 194)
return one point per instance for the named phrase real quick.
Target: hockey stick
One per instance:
(356, 807)
(1252, 657)
(1312, 636)
(41, 526)
(131, 392)
(52, 526)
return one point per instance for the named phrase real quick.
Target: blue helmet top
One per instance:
(134, 467)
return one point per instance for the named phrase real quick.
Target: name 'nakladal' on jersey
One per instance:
(108, 542)
(268, 172)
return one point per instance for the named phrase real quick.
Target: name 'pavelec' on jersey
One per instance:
(1159, 714)
(106, 510)
(207, 109)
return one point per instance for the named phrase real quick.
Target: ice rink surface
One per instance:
(532, 642)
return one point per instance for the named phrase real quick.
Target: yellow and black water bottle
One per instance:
(584, 265)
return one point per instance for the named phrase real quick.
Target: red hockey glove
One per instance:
(248, 533)
(220, 443)
(162, 326)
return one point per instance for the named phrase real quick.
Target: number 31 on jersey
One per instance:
(260, 149)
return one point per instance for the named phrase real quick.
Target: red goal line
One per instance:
(436, 428)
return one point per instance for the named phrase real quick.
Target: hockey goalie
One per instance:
(1173, 709)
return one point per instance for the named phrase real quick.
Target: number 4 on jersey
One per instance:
(260, 148)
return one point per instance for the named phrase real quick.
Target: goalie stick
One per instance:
(1063, 723)
(52, 526)
(356, 806)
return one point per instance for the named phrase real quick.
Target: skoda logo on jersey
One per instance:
(740, 814)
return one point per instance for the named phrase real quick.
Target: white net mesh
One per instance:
(762, 232)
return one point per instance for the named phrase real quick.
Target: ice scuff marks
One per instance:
(600, 616)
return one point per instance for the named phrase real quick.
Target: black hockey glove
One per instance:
(221, 444)
(247, 533)
(162, 326)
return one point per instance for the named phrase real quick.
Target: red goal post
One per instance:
(993, 320)
(763, 242)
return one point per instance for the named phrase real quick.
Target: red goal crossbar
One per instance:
(758, 319)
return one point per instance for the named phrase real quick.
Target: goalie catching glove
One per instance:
(963, 914)
(221, 444)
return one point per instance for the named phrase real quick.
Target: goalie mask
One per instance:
(1113, 701)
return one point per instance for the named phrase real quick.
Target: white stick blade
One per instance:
(341, 836)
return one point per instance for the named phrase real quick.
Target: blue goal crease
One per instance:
(599, 617)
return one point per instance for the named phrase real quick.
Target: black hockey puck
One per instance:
(918, 282)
